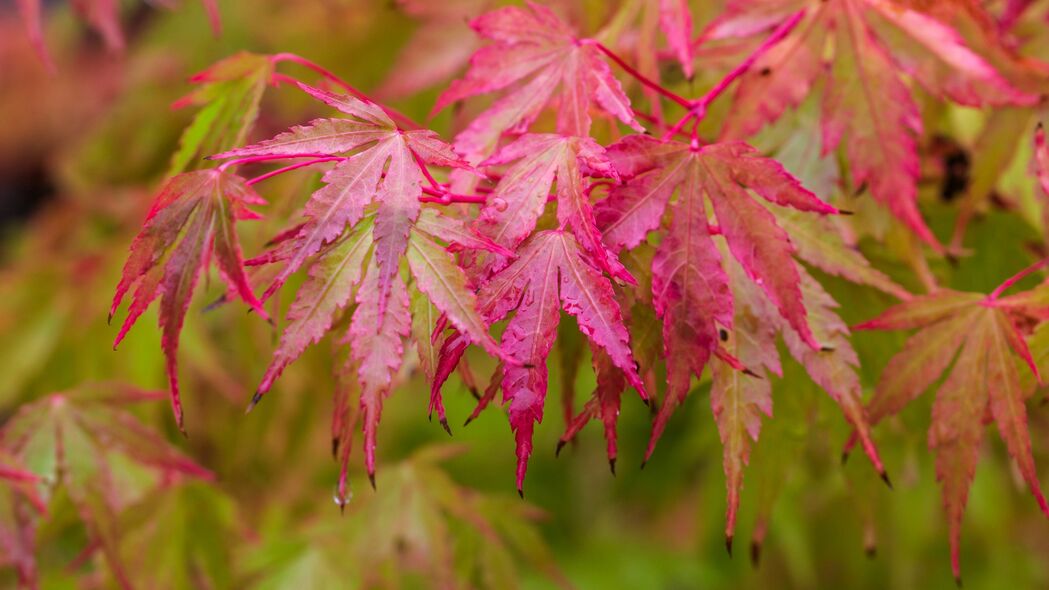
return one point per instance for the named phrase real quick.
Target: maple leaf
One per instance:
(980, 334)
(82, 442)
(740, 398)
(229, 95)
(552, 272)
(348, 264)
(690, 289)
(533, 53)
(425, 525)
(539, 159)
(866, 104)
(385, 170)
(191, 222)
(337, 270)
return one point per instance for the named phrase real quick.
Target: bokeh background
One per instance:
(83, 147)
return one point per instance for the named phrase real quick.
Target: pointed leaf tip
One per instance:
(334, 447)
(520, 492)
(885, 478)
(371, 480)
(444, 424)
(254, 402)
(755, 554)
(612, 466)
(560, 445)
(728, 545)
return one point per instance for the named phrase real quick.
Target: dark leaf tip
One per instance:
(755, 554)
(885, 478)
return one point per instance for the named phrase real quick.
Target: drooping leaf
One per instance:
(191, 222)
(690, 289)
(82, 442)
(445, 295)
(551, 273)
(982, 337)
(424, 527)
(539, 160)
(533, 54)
(739, 398)
(867, 106)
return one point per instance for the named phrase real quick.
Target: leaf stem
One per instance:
(425, 171)
(291, 167)
(677, 127)
(649, 118)
(656, 86)
(1017, 278)
(394, 114)
(267, 158)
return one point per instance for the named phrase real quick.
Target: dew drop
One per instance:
(341, 500)
(499, 204)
